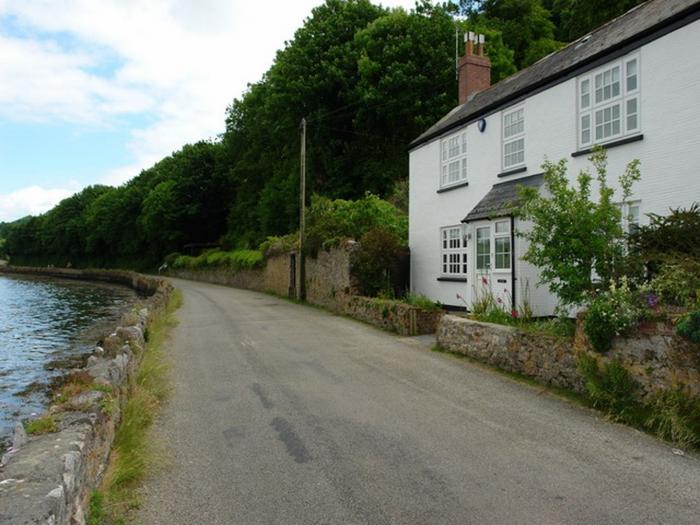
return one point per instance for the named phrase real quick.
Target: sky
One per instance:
(94, 91)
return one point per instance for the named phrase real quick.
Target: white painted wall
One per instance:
(669, 154)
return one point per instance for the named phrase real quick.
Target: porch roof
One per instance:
(502, 198)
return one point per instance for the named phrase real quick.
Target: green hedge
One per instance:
(234, 260)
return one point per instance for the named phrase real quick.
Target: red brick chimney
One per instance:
(474, 67)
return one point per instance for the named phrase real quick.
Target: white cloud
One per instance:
(31, 200)
(181, 62)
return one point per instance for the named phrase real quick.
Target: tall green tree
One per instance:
(526, 26)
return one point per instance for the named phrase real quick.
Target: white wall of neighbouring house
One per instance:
(669, 77)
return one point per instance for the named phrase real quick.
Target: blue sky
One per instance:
(93, 91)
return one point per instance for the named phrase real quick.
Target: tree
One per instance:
(572, 235)
(526, 26)
(577, 17)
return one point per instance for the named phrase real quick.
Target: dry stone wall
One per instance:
(47, 479)
(655, 357)
(547, 359)
(394, 316)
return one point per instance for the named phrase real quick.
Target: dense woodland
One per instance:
(367, 79)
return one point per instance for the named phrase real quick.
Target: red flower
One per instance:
(514, 314)
(484, 280)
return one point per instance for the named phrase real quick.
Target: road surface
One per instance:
(287, 414)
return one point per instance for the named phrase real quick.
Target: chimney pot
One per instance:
(474, 68)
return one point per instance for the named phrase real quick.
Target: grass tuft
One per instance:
(42, 425)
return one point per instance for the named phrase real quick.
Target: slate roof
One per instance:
(638, 23)
(502, 198)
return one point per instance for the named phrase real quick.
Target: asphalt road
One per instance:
(287, 414)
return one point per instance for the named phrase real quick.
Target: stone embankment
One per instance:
(48, 478)
(654, 356)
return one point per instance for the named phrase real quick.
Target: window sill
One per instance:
(514, 171)
(613, 144)
(453, 187)
(452, 279)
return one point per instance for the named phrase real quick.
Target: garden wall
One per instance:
(329, 280)
(394, 316)
(655, 357)
(548, 359)
(49, 478)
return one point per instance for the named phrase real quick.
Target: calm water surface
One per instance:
(43, 323)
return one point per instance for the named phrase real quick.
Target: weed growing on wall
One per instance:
(670, 414)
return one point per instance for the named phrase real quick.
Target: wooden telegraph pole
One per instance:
(301, 289)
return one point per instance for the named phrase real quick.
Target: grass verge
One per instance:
(133, 452)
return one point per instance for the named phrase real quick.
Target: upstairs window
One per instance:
(513, 138)
(453, 159)
(608, 102)
(453, 251)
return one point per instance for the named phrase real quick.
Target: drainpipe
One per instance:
(514, 305)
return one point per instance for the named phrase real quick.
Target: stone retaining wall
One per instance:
(48, 478)
(329, 279)
(547, 359)
(655, 357)
(394, 316)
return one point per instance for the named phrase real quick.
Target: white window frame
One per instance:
(453, 252)
(488, 254)
(505, 234)
(590, 108)
(453, 152)
(512, 138)
(627, 213)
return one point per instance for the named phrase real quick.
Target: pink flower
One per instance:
(514, 314)
(499, 300)
(505, 290)
(484, 280)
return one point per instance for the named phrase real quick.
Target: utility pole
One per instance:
(301, 289)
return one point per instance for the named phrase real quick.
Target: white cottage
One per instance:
(633, 85)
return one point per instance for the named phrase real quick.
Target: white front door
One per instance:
(493, 260)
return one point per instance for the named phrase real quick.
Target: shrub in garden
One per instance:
(677, 233)
(331, 221)
(379, 252)
(574, 235)
(678, 281)
(611, 313)
(689, 326)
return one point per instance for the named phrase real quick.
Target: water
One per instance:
(46, 324)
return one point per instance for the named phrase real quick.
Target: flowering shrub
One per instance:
(612, 313)
(678, 282)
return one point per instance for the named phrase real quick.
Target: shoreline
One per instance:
(49, 475)
(45, 369)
